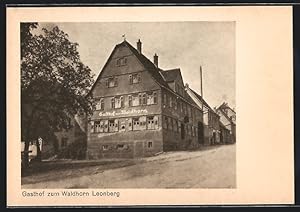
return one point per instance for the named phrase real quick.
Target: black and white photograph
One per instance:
(149, 106)
(128, 105)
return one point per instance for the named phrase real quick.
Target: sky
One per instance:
(184, 45)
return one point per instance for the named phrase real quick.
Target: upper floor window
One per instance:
(119, 102)
(100, 105)
(122, 61)
(135, 100)
(165, 99)
(151, 98)
(134, 78)
(111, 82)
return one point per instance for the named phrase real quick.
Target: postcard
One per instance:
(128, 106)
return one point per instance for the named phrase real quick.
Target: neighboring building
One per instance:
(210, 118)
(228, 119)
(141, 109)
(69, 143)
(225, 136)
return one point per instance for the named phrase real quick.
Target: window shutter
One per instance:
(106, 126)
(139, 77)
(156, 122)
(122, 101)
(130, 79)
(116, 125)
(106, 83)
(129, 123)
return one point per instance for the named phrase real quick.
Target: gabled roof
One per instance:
(171, 74)
(225, 106)
(154, 71)
(201, 99)
(221, 109)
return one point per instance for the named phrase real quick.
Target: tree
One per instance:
(54, 83)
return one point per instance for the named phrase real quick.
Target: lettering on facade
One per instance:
(123, 112)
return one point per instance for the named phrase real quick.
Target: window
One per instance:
(170, 101)
(143, 122)
(151, 98)
(120, 146)
(97, 126)
(135, 100)
(100, 105)
(121, 61)
(113, 125)
(181, 106)
(119, 102)
(140, 99)
(111, 82)
(104, 147)
(154, 98)
(150, 144)
(136, 123)
(144, 102)
(179, 126)
(150, 123)
(175, 103)
(165, 99)
(134, 78)
(113, 102)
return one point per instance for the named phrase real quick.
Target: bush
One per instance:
(76, 150)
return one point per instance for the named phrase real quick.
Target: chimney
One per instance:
(139, 46)
(155, 60)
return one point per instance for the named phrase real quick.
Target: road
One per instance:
(210, 168)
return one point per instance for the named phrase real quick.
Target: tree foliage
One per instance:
(54, 82)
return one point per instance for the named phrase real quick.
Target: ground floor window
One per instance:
(125, 124)
(105, 147)
(150, 144)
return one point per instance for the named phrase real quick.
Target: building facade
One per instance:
(211, 126)
(228, 119)
(141, 110)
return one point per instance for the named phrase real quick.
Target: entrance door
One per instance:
(200, 133)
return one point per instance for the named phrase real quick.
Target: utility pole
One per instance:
(201, 88)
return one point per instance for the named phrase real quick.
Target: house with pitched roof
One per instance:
(141, 109)
(228, 119)
(211, 127)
